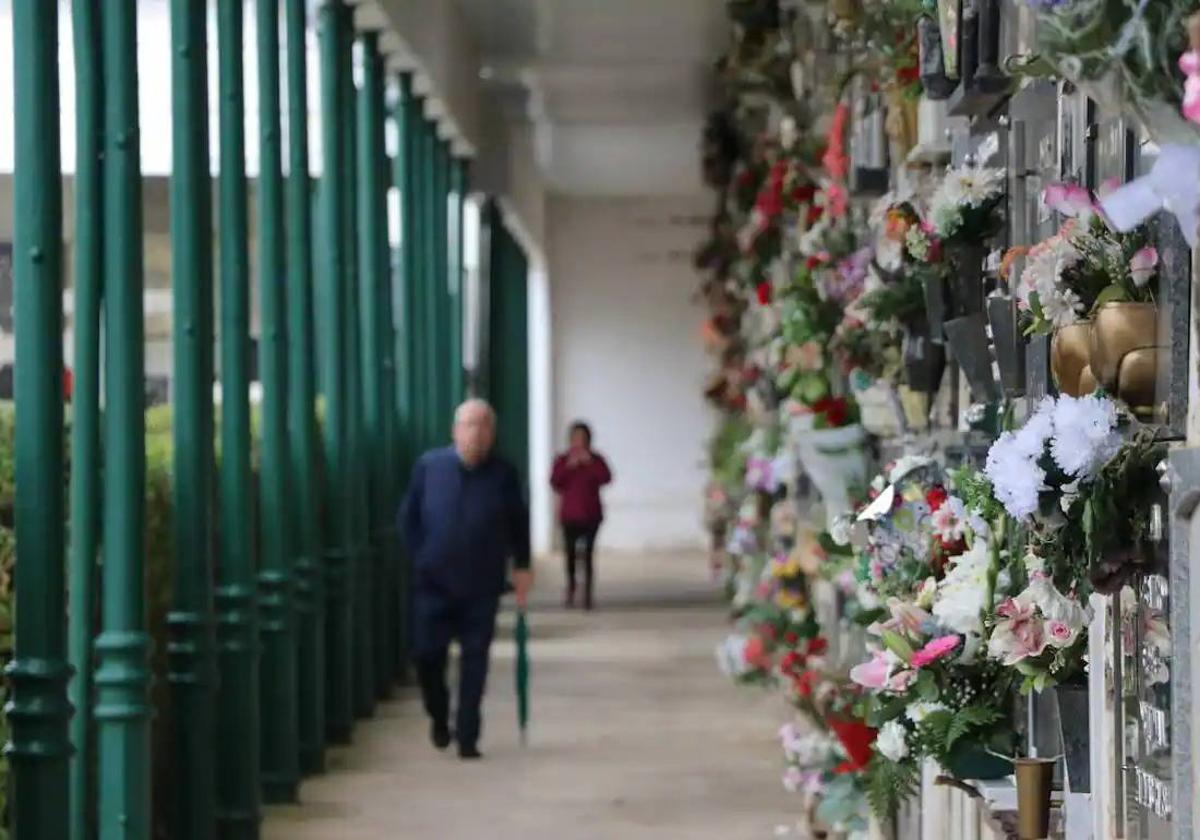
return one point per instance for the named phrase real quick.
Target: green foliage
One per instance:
(968, 720)
(889, 784)
(725, 453)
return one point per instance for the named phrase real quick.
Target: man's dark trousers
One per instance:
(440, 619)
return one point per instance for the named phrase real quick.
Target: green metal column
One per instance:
(332, 26)
(375, 322)
(302, 429)
(508, 350)
(420, 274)
(238, 707)
(404, 279)
(433, 283)
(458, 195)
(356, 485)
(85, 403)
(278, 722)
(122, 649)
(443, 352)
(38, 711)
(191, 649)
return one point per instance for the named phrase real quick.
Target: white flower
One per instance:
(962, 593)
(920, 710)
(731, 656)
(917, 242)
(926, 593)
(839, 530)
(1085, 434)
(950, 520)
(1061, 307)
(793, 778)
(891, 741)
(1015, 475)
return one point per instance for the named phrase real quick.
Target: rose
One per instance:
(1060, 633)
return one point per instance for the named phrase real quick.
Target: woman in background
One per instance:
(578, 475)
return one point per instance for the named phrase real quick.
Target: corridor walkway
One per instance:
(635, 734)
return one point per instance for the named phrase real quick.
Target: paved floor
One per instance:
(635, 734)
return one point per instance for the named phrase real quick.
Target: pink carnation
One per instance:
(935, 650)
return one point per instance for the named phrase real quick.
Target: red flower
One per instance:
(834, 409)
(834, 160)
(817, 646)
(791, 664)
(790, 638)
(755, 653)
(805, 683)
(763, 290)
(936, 496)
(815, 212)
(68, 383)
(908, 75)
(856, 737)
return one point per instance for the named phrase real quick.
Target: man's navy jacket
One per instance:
(462, 525)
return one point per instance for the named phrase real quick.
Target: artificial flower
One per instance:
(892, 741)
(962, 594)
(1143, 265)
(936, 649)
(917, 712)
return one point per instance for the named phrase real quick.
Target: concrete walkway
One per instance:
(635, 734)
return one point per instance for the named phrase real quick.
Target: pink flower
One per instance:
(1069, 199)
(935, 650)
(906, 616)
(1142, 265)
(1019, 634)
(901, 681)
(1060, 633)
(873, 673)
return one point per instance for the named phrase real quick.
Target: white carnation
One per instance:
(962, 594)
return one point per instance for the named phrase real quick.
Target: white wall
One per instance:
(627, 357)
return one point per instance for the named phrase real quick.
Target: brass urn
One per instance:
(1137, 379)
(1034, 778)
(1117, 330)
(1070, 355)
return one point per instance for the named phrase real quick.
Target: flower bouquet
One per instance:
(1126, 54)
(1093, 288)
(900, 297)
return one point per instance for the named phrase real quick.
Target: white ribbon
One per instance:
(1173, 184)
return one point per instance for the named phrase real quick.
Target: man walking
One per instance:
(463, 519)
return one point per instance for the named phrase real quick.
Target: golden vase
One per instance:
(1137, 379)
(1070, 355)
(1034, 778)
(1117, 330)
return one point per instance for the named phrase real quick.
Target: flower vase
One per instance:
(967, 337)
(1124, 351)
(1073, 721)
(1008, 343)
(1034, 778)
(965, 286)
(970, 761)
(924, 361)
(934, 288)
(836, 462)
(1070, 355)
(932, 64)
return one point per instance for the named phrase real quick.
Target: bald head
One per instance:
(474, 431)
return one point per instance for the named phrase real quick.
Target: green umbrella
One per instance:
(522, 673)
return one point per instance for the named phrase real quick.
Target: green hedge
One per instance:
(159, 576)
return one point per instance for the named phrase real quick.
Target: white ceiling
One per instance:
(617, 89)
